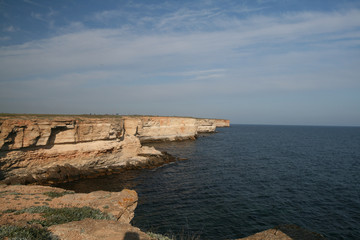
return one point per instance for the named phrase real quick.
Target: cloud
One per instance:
(34, 3)
(5, 38)
(220, 57)
(10, 28)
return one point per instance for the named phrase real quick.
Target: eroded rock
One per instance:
(285, 232)
(89, 229)
(60, 149)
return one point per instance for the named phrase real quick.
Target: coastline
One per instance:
(46, 150)
(52, 148)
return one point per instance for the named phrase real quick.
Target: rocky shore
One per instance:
(49, 149)
(43, 212)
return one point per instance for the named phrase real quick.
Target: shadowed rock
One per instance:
(285, 232)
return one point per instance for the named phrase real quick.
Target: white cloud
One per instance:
(303, 51)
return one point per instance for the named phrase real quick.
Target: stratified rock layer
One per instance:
(57, 149)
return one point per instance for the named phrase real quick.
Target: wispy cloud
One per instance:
(34, 3)
(203, 53)
(5, 38)
(10, 28)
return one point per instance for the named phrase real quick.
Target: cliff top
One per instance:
(26, 116)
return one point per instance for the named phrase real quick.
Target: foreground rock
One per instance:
(120, 205)
(39, 207)
(45, 149)
(91, 229)
(24, 205)
(285, 232)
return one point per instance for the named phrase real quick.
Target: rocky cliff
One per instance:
(222, 123)
(51, 149)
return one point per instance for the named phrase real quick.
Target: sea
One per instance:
(248, 178)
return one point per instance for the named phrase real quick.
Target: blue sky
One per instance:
(250, 61)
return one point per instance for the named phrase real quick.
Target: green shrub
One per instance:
(9, 211)
(158, 236)
(55, 216)
(28, 233)
(57, 194)
(52, 216)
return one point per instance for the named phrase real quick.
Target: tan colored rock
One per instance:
(285, 232)
(18, 133)
(222, 123)
(121, 205)
(50, 149)
(166, 128)
(131, 125)
(206, 125)
(90, 229)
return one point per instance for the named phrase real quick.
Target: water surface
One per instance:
(247, 178)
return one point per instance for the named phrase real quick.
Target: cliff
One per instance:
(222, 123)
(62, 148)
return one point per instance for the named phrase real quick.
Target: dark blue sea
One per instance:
(248, 178)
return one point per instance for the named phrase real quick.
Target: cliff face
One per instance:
(222, 123)
(65, 148)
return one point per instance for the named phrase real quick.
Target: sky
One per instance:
(250, 61)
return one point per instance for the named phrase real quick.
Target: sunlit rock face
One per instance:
(56, 149)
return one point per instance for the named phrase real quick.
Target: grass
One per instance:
(9, 211)
(28, 233)
(178, 236)
(158, 236)
(53, 216)
(57, 194)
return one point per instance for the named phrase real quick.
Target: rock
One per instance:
(285, 232)
(222, 123)
(89, 229)
(119, 204)
(59, 149)
(206, 125)
(166, 129)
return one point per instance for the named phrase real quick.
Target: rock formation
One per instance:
(285, 232)
(54, 149)
(26, 206)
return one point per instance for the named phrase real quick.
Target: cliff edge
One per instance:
(48, 149)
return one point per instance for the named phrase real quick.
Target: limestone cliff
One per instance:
(222, 123)
(51, 149)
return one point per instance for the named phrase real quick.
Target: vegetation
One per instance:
(158, 236)
(53, 216)
(181, 236)
(57, 194)
(28, 233)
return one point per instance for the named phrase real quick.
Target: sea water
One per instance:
(248, 178)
